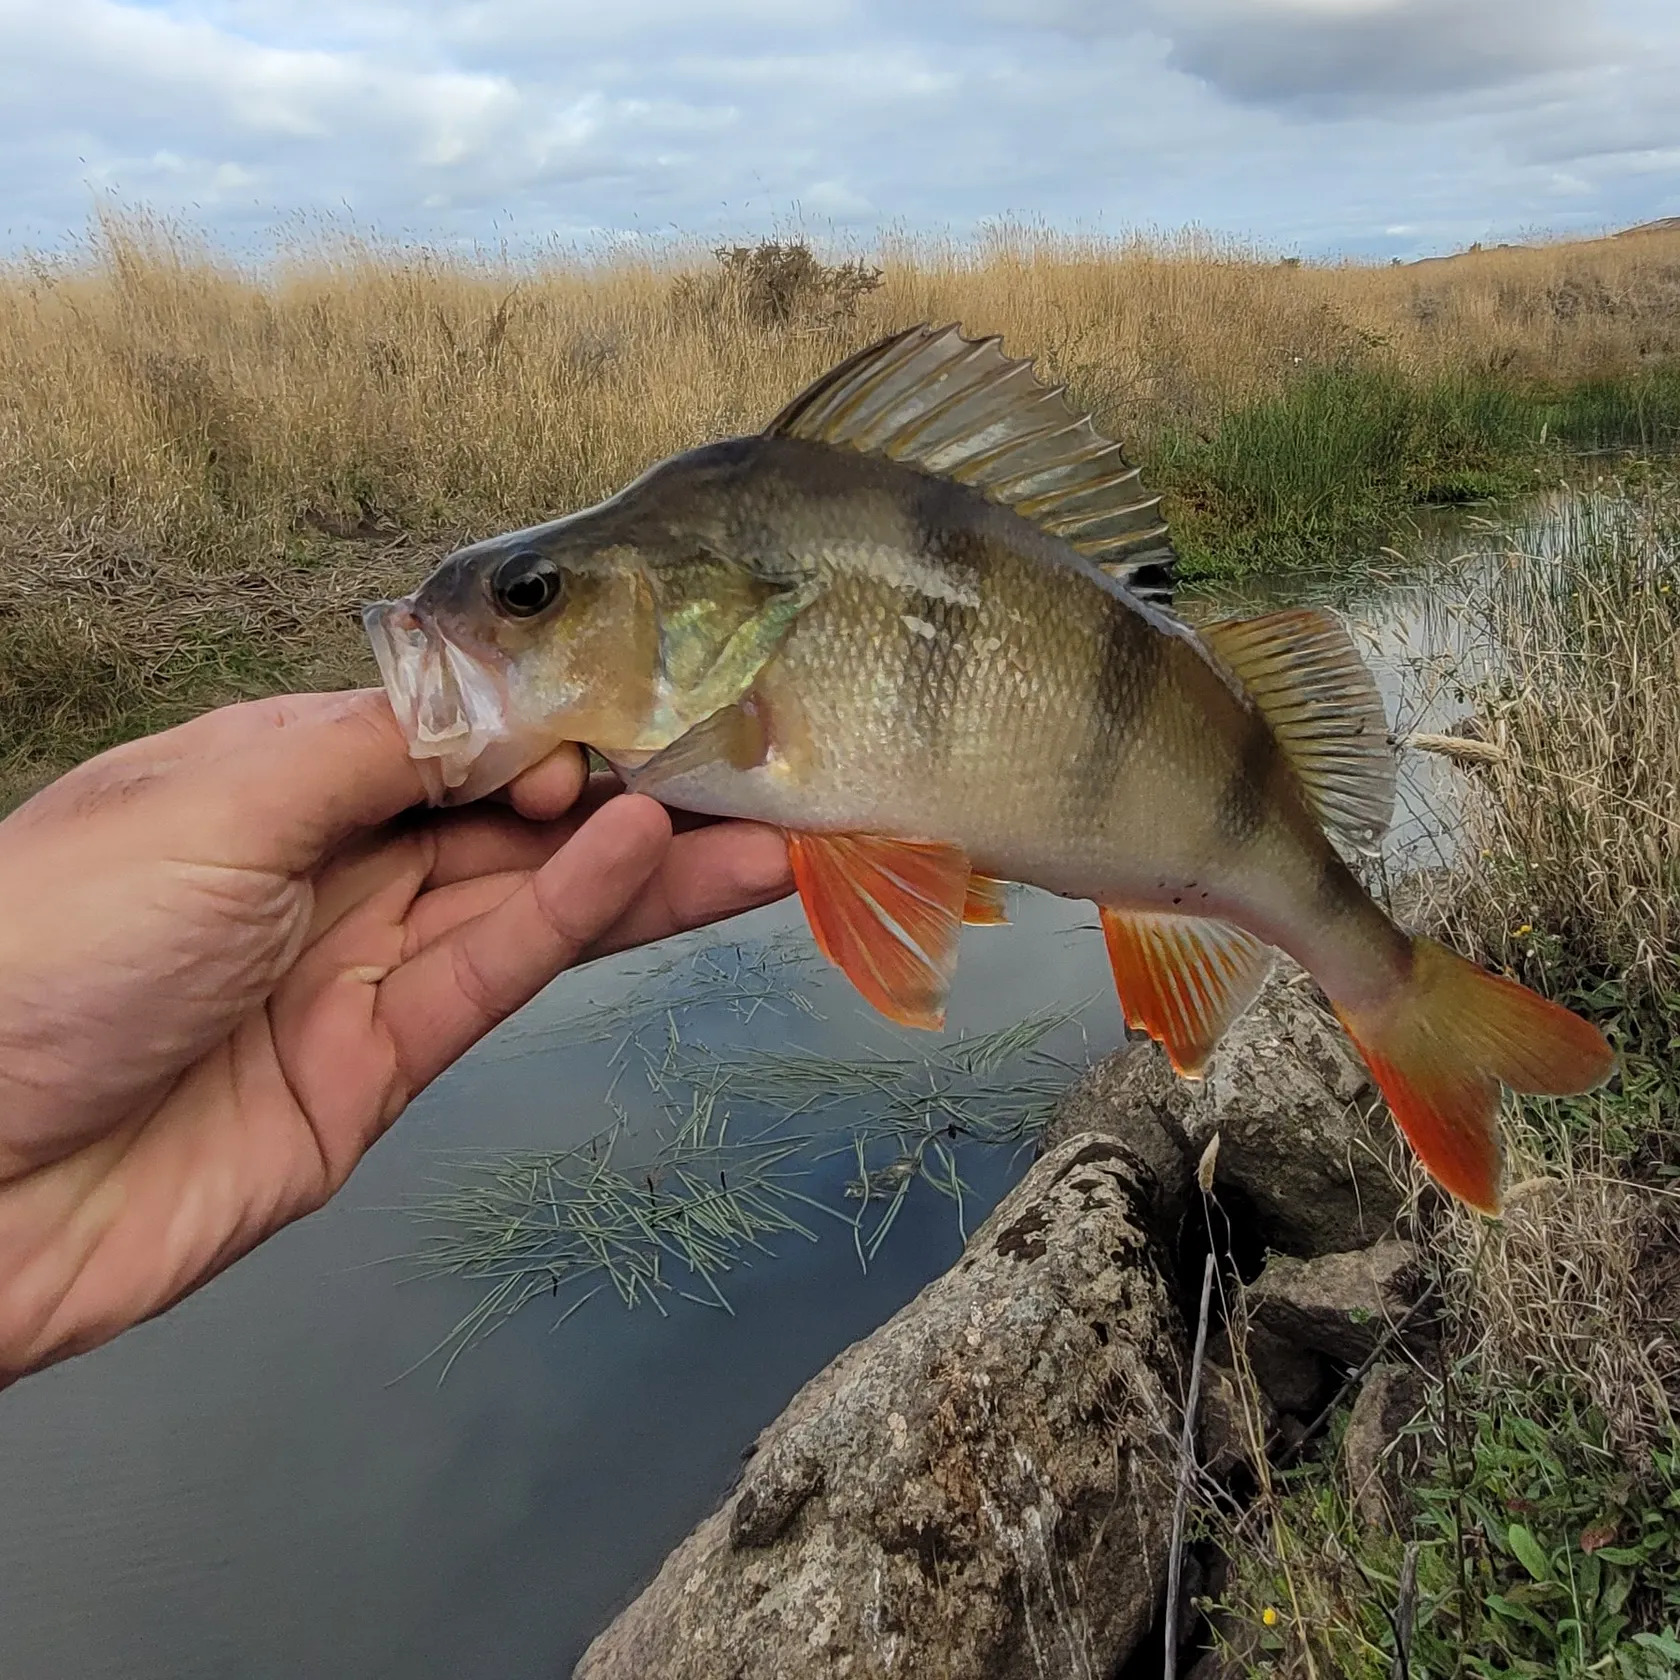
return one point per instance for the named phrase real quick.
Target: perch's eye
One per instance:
(526, 585)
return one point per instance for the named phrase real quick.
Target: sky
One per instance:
(1319, 127)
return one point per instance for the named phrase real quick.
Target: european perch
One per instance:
(918, 624)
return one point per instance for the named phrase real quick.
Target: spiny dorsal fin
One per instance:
(1304, 673)
(1183, 979)
(959, 408)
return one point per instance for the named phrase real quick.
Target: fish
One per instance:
(922, 623)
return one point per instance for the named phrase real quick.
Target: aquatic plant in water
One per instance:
(744, 1132)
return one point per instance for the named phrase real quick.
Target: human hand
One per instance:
(228, 960)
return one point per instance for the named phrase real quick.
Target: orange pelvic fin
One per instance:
(889, 913)
(1183, 979)
(1447, 1040)
(986, 904)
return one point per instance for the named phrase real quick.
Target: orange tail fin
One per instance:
(1443, 1044)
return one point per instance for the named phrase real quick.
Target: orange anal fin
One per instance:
(1183, 979)
(986, 904)
(1446, 1039)
(889, 913)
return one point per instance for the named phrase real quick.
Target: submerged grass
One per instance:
(253, 447)
(741, 1152)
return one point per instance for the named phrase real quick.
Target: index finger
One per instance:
(452, 992)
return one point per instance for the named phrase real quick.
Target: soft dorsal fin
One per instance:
(959, 408)
(1304, 673)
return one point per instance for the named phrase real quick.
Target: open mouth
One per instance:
(451, 707)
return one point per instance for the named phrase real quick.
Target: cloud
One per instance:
(1337, 56)
(1357, 125)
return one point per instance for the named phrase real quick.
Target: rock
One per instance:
(1304, 1140)
(1236, 1648)
(1217, 1665)
(981, 1490)
(1211, 1666)
(1294, 1379)
(1381, 1459)
(1339, 1305)
(1309, 1161)
(1135, 1096)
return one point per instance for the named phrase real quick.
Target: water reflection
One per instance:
(242, 1488)
(1415, 609)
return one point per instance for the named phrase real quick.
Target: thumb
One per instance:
(289, 779)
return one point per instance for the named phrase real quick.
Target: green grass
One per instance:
(1640, 411)
(1314, 477)
(1540, 1555)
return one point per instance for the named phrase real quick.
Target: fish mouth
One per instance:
(451, 705)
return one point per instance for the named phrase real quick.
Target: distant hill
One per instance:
(1663, 224)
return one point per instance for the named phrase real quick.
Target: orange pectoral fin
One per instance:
(986, 904)
(1183, 979)
(887, 912)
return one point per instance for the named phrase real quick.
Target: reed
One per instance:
(154, 389)
(1544, 1526)
(1577, 814)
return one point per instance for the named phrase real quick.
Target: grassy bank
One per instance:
(1543, 1526)
(205, 464)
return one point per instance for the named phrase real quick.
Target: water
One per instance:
(250, 1486)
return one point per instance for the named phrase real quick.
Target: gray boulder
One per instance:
(1293, 1378)
(982, 1488)
(1308, 1159)
(1381, 1459)
(1135, 1097)
(1339, 1305)
(1235, 1426)
(1304, 1138)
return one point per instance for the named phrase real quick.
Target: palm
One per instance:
(263, 1014)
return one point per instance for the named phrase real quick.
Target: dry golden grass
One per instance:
(178, 431)
(1579, 818)
(1563, 1412)
(155, 390)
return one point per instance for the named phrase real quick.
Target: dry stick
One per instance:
(1186, 1475)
